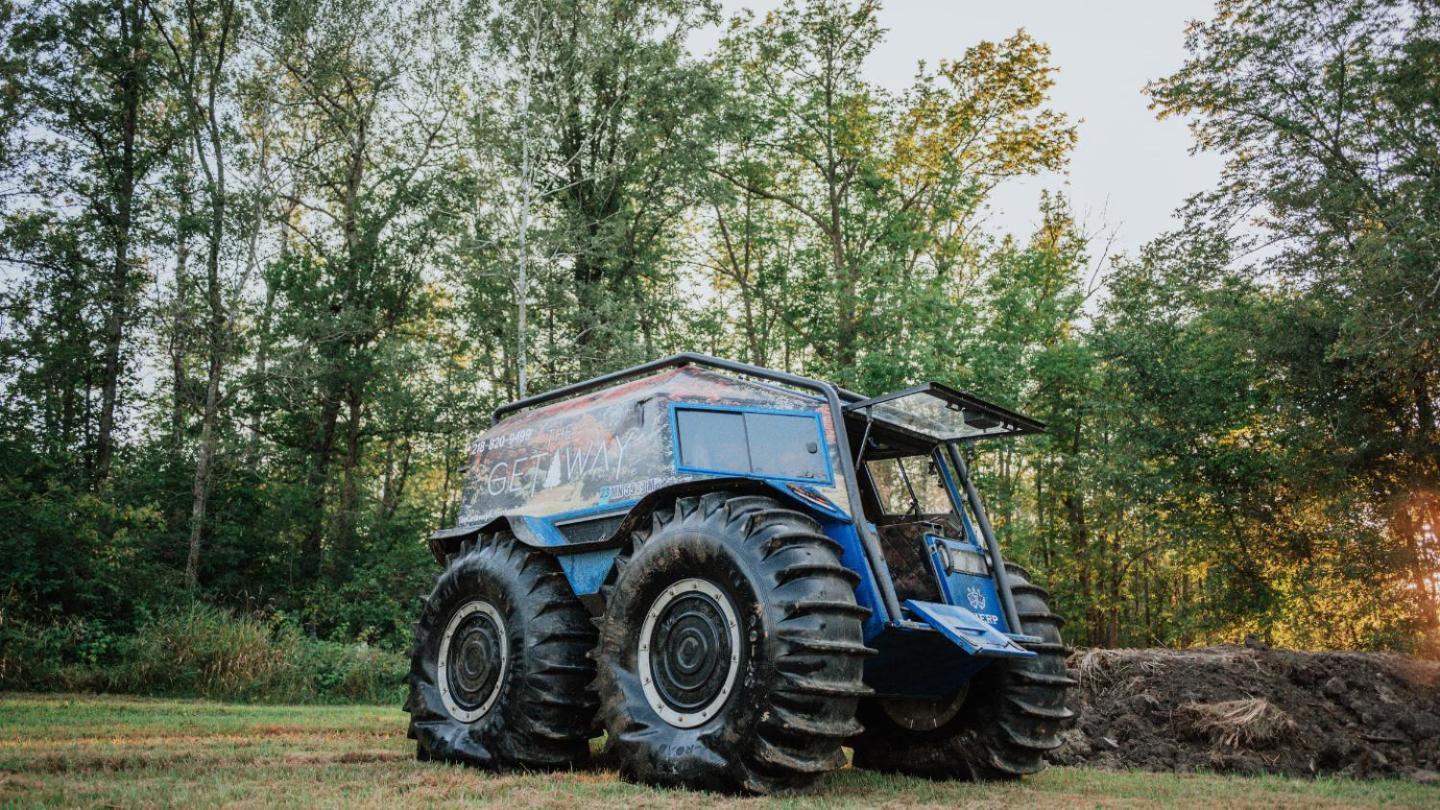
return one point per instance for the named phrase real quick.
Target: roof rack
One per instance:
(825, 389)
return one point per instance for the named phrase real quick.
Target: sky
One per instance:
(1129, 171)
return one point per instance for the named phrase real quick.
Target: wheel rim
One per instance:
(474, 653)
(923, 714)
(689, 652)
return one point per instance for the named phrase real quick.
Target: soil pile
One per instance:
(1255, 710)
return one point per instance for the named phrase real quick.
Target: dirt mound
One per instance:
(1255, 710)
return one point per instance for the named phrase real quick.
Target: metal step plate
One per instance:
(973, 634)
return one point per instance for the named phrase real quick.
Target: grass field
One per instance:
(126, 752)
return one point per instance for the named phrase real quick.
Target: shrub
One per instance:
(203, 651)
(67, 655)
(351, 672)
(200, 651)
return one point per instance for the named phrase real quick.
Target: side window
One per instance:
(786, 446)
(781, 445)
(712, 440)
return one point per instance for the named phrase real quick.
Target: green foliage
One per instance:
(73, 553)
(197, 651)
(204, 652)
(847, 214)
(1317, 110)
(375, 602)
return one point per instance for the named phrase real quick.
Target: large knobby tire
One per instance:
(1011, 713)
(509, 686)
(762, 706)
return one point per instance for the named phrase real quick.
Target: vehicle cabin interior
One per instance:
(909, 486)
(903, 494)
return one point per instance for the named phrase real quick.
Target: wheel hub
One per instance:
(923, 714)
(689, 652)
(471, 665)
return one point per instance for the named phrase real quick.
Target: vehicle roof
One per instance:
(873, 407)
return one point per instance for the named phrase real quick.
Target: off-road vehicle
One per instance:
(732, 572)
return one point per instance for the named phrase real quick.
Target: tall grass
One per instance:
(200, 651)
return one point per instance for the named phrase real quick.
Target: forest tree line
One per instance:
(267, 266)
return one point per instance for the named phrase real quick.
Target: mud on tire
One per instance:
(1011, 716)
(511, 691)
(797, 665)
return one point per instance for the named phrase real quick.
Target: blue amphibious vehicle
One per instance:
(732, 573)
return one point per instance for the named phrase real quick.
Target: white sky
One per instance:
(1129, 171)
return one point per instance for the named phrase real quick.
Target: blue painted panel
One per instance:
(547, 533)
(973, 634)
(973, 591)
(957, 499)
(587, 570)
(852, 556)
(916, 661)
(810, 497)
(544, 531)
(592, 511)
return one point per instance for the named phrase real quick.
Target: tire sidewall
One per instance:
(671, 556)
(466, 581)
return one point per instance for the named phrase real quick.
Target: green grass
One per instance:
(132, 752)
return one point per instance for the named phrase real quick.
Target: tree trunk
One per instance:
(209, 138)
(262, 340)
(397, 475)
(180, 319)
(200, 492)
(311, 553)
(1074, 502)
(217, 327)
(522, 282)
(347, 519)
(117, 314)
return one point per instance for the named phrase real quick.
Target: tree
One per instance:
(93, 134)
(611, 110)
(201, 39)
(1325, 114)
(377, 117)
(885, 189)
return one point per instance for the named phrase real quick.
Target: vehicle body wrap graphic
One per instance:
(611, 447)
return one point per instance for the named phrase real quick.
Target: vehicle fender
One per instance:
(835, 522)
(810, 502)
(445, 542)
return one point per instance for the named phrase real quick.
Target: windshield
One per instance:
(928, 415)
(941, 413)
